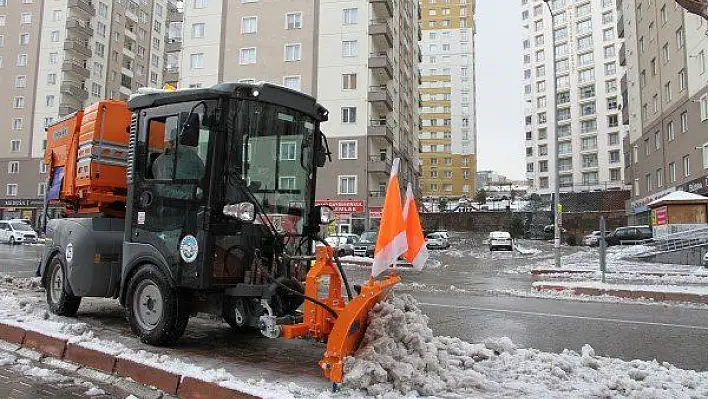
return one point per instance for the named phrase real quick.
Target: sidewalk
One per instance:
(209, 361)
(674, 293)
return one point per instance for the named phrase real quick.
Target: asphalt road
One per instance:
(627, 331)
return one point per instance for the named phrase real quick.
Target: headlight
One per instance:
(244, 211)
(326, 214)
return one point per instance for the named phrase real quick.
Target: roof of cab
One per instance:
(262, 91)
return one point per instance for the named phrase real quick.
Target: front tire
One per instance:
(12, 241)
(60, 301)
(157, 313)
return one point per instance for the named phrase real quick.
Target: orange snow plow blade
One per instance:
(344, 332)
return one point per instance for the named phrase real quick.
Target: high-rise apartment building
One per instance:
(586, 74)
(448, 132)
(667, 102)
(358, 57)
(67, 54)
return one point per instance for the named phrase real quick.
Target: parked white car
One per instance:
(500, 239)
(437, 240)
(16, 232)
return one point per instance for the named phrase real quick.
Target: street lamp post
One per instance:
(556, 168)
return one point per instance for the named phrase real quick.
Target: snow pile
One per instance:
(527, 251)
(400, 356)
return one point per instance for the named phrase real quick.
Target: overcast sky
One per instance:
(499, 88)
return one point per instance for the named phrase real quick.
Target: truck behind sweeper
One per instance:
(200, 201)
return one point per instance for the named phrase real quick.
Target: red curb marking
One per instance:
(12, 334)
(51, 346)
(192, 388)
(90, 358)
(148, 375)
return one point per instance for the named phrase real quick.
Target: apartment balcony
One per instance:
(380, 64)
(380, 97)
(173, 45)
(382, 34)
(622, 55)
(74, 90)
(79, 27)
(82, 5)
(171, 75)
(382, 7)
(380, 128)
(379, 165)
(620, 27)
(76, 68)
(67, 109)
(77, 47)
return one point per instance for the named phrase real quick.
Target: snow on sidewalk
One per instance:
(401, 356)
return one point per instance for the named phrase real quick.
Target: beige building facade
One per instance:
(448, 133)
(65, 55)
(667, 148)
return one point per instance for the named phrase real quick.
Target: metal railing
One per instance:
(679, 240)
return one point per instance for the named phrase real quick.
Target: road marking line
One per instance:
(649, 323)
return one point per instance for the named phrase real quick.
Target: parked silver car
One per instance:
(437, 240)
(500, 239)
(16, 232)
(343, 244)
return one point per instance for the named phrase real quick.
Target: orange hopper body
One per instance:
(86, 155)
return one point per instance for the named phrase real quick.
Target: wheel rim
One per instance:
(148, 305)
(56, 286)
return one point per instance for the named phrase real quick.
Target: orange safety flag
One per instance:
(417, 252)
(391, 241)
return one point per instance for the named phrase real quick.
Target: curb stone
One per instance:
(174, 385)
(628, 294)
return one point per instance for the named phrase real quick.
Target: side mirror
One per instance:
(323, 152)
(189, 129)
(323, 215)
(244, 211)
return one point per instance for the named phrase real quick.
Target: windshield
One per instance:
(271, 150)
(21, 227)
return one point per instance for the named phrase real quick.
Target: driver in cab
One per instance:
(189, 165)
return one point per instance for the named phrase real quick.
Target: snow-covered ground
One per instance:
(400, 355)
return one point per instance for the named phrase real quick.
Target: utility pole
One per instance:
(556, 185)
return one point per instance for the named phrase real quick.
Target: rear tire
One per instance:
(12, 241)
(157, 313)
(60, 301)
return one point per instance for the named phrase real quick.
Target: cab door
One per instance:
(171, 183)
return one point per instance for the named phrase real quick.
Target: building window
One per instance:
(292, 82)
(288, 151)
(614, 156)
(349, 48)
(293, 52)
(347, 185)
(686, 166)
(196, 61)
(293, 20)
(200, 3)
(704, 108)
(659, 178)
(670, 131)
(13, 167)
(613, 139)
(350, 16)
(665, 52)
(43, 166)
(668, 91)
(680, 40)
(347, 149)
(248, 55)
(17, 124)
(349, 81)
(615, 175)
(15, 145)
(287, 183)
(19, 102)
(672, 172)
(198, 30)
(348, 114)
(41, 189)
(684, 122)
(11, 190)
(249, 24)
(96, 89)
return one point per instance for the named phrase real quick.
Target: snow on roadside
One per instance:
(401, 356)
(673, 289)
(569, 295)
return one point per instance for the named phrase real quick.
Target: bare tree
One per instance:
(698, 7)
